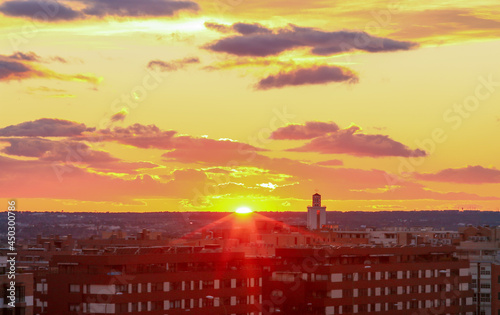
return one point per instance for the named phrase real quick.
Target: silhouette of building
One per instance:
(316, 214)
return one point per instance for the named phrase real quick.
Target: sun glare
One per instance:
(243, 210)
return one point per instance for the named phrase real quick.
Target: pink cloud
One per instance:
(309, 130)
(467, 175)
(351, 141)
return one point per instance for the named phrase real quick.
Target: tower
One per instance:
(316, 215)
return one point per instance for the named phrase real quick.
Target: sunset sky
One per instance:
(160, 105)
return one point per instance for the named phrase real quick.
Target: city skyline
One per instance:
(201, 106)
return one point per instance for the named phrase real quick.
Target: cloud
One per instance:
(70, 152)
(331, 163)
(21, 66)
(308, 76)
(150, 136)
(13, 70)
(45, 127)
(351, 141)
(50, 179)
(49, 150)
(241, 28)
(39, 10)
(52, 11)
(260, 42)
(137, 135)
(120, 116)
(29, 56)
(138, 8)
(309, 130)
(467, 175)
(174, 65)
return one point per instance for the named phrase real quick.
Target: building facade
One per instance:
(398, 280)
(150, 281)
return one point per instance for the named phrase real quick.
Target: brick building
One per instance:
(150, 281)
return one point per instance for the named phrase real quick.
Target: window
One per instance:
(121, 308)
(363, 308)
(73, 288)
(20, 294)
(347, 293)
(156, 287)
(321, 277)
(208, 284)
(363, 292)
(121, 288)
(157, 305)
(135, 288)
(485, 297)
(176, 286)
(347, 277)
(206, 303)
(135, 307)
(74, 307)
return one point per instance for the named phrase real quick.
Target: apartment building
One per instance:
(362, 280)
(160, 280)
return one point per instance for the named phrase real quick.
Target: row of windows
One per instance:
(175, 304)
(176, 286)
(388, 275)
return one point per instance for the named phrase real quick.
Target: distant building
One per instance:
(316, 214)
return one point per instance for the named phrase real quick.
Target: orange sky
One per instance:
(160, 105)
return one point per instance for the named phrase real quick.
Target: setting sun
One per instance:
(243, 210)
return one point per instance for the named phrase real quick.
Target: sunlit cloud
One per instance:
(23, 66)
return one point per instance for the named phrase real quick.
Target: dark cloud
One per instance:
(138, 8)
(221, 28)
(174, 65)
(49, 150)
(256, 40)
(308, 76)
(241, 28)
(20, 66)
(246, 28)
(52, 11)
(467, 175)
(350, 141)
(45, 127)
(70, 152)
(39, 10)
(13, 69)
(120, 116)
(309, 130)
(137, 135)
(29, 56)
